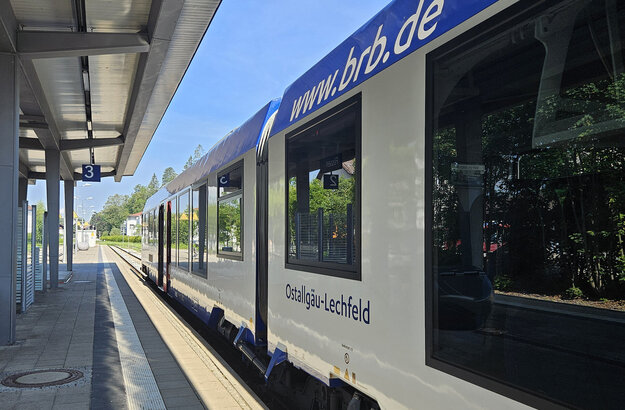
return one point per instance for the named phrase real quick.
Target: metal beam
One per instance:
(162, 23)
(72, 145)
(24, 171)
(69, 145)
(30, 143)
(55, 44)
(35, 118)
(8, 27)
(33, 126)
(77, 176)
(49, 138)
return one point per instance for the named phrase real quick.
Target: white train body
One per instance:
(371, 314)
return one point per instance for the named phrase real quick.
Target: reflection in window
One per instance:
(198, 225)
(229, 214)
(183, 231)
(174, 232)
(229, 208)
(529, 199)
(322, 176)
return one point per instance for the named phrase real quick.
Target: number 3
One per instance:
(89, 170)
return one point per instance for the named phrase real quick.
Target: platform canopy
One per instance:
(97, 76)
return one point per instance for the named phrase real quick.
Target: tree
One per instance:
(113, 214)
(188, 164)
(153, 186)
(198, 153)
(137, 199)
(168, 175)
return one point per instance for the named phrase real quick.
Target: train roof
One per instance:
(399, 29)
(233, 145)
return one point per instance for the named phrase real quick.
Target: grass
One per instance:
(124, 245)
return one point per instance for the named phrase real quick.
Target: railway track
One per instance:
(244, 369)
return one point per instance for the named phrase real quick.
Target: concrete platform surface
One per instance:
(104, 340)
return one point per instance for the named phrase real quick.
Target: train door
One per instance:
(161, 242)
(167, 246)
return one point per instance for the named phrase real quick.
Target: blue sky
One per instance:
(251, 52)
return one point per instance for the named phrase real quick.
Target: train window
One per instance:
(155, 227)
(198, 228)
(174, 232)
(323, 193)
(183, 230)
(144, 230)
(229, 212)
(527, 209)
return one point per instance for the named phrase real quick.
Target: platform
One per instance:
(104, 340)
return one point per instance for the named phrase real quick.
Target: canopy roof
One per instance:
(97, 76)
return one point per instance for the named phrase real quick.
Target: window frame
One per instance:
(239, 256)
(476, 35)
(197, 187)
(330, 268)
(186, 192)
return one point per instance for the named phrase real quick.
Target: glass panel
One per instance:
(199, 230)
(229, 222)
(183, 230)
(174, 231)
(230, 181)
(322, 177)
(529, 205)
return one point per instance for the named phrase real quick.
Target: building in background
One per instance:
(130, 226)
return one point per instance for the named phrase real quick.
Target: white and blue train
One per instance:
(386, 225)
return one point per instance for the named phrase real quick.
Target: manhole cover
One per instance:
(42, 378)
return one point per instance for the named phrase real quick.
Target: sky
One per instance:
(251, 52)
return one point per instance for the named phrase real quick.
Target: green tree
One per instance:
(113, 214)
(153, 186)
(198, 153)
(137, 199)
(188, 164)
(168, 175)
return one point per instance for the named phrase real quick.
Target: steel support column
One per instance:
(22, 190)
(69, 223)
(9, 169)
(53, 179)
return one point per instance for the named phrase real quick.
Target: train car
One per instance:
(196, 247)
(390, 159)
(426, 193)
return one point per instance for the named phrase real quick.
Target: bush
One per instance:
(121, 238)
(573, 293)
(503, 283)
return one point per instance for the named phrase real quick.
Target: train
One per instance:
(384, 231)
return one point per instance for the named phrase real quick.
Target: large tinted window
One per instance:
(528, 205)
(198, 226)
(229, 212)
(183, 230)
(322, 197)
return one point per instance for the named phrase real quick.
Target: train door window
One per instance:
(183, 230)
(144, 230)
(174, 231)
(198, 230)
(151, 227)
(230, 212)
(527, 208)
(155, 227)
(323, 160)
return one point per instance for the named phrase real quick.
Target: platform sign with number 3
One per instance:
(91, 173)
